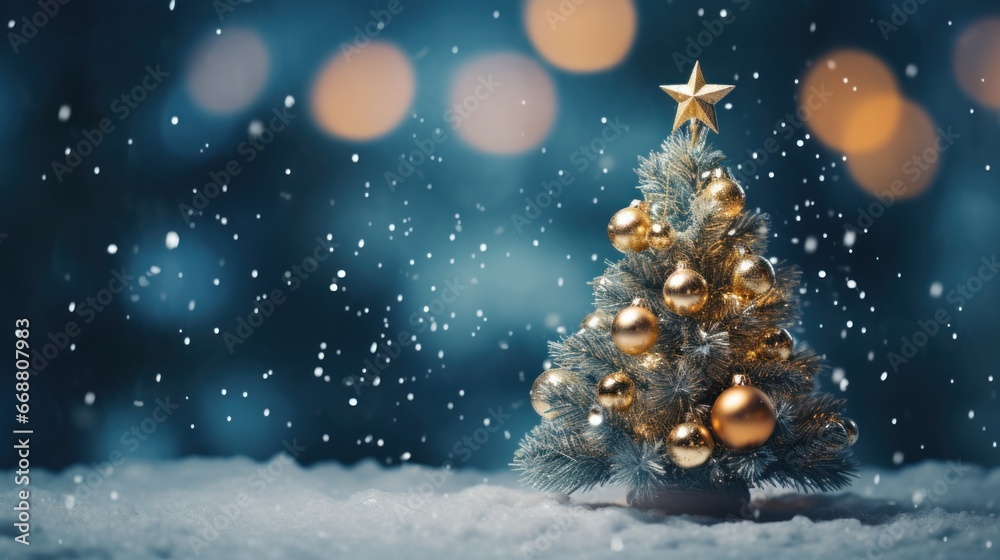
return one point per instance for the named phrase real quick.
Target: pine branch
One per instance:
(557, 460)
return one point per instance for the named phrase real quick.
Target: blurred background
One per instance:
(170, 167)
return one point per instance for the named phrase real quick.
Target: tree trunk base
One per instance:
(731, 502)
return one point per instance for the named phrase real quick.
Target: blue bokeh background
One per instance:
(398, 249)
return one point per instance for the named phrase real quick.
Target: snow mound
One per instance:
(241, 509)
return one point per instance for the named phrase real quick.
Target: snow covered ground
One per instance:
(240, 509)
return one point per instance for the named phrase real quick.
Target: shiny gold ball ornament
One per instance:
(726, 196)
(753, 276)
(599, 320)
(660, 236)
(685, 292)
(689, 445)
(776, 345)
(634, 330)
(852, 431)
(543, 389)
(629, 228)
(616, 391)
(743, 417)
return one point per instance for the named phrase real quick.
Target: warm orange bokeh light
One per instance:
(581, 36)
(905, 165)
(872, 122)
(363, 93)
(977, 62)
(502, 103)
(850, 101)
(227, 72)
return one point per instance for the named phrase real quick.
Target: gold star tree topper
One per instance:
(697, 100)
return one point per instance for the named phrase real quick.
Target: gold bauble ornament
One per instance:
(628, 229)
(753, 276)
(743, 417)
(726, 196)
(685, 292)
(852, 431)
(660, 236)
(776, 345)
(599, 320)
(689, 445)
(616, 391)
(635, 329)
(543, 387)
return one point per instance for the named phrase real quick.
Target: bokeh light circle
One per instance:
(502, 103)
(904, 166)
(581, 36)
(227, 72)
(363, 93)
(850, 101)
(977, 62)
(872, 122)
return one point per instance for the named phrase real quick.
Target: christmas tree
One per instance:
(685, 381)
